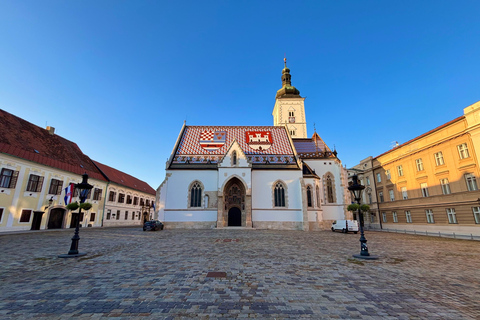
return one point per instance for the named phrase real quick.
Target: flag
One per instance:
(69, 193)
(153, 205)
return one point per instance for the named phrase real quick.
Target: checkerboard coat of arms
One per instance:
(212, 140)
(259, 140)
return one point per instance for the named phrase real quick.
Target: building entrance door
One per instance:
(55, 220)
(234, 217)
(37, 220)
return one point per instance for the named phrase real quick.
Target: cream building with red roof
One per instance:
(263, 177)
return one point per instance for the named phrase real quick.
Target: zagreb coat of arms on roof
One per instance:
(212, 140)
(259, 140)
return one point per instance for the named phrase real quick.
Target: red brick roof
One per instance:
(124, 179)
(22, 139)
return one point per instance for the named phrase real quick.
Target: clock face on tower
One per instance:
(291, 119)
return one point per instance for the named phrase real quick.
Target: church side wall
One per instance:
(264, 214)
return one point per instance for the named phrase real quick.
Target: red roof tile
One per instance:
(22, 139)
(124, 179)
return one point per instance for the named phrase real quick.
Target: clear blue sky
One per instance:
(120, 77)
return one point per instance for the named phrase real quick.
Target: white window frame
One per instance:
(408, 216)
(404, 193)
(429, 214)
(380, 197)
(392, 195)
(379, 177)
(387, 173)
(419, 164)
(395, 216)
(463, 151)
(476, 214)
(424, 188)
(439, 161)
(384, 217)
(400, 170)
(445, 186)
(471, 182)
(452, 216)
(368, 181)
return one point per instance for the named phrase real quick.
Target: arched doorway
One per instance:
(234, 217)
(234, 203)
(55, 220)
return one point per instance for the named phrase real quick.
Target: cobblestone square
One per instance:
(131, 274)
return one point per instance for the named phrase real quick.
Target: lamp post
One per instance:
(83, 189)
(356, 189)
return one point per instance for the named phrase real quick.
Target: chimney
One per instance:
(51, 130)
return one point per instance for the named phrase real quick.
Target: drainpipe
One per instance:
(105, 202)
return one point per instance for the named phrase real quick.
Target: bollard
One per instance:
(471, 236)
(454, 235)
(439, 234)
(426, 233)
(414, 232)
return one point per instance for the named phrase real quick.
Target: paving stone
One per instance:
(129, 273)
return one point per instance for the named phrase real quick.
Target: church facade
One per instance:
(263, 177)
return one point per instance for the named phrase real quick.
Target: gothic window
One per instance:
(234, 158)
(279, 195)
(330, 189)
(309, 196)
(196, 195)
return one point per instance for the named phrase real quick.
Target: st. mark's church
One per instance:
(263, 177)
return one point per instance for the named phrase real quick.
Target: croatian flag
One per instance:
(69, 194)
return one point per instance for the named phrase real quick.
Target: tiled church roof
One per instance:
(261, 144)
(313, 147)
(124, 179)
(25, 140)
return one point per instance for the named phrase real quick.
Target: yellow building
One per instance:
(430, 182)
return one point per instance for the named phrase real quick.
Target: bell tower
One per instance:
(289, 107)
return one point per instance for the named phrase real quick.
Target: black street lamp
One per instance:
(356, 189)
(83, 190)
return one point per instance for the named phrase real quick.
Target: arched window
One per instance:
(329, 186)
(234, 158)
(196, 195)
(309, 196)
(318, 196)
(279, 194)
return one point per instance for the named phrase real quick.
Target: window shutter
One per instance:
(13, 181)
(40, 184)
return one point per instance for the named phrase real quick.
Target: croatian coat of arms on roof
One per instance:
(259, 140)
(211, 140)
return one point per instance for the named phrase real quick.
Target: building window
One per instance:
(55, 187)
(279, 195)
(126, 215)
(439, 159)
(452, 216)
(395, 216)
(384, 217)
(380, 196)
(139, 215)
(35, 183)
(195, 195)
(97, 194)
(25, 217)
(372, 217)
(129, 199)
(463, 151)
(291, 114)
(419, 164)
(387, 173)
(379, 177)
(292, 133)
(368, 181)
(133, 215)
(8, 178)
(147, 202)
(118, 215)
(92, 216)
(392, 196)
(309, 196)
(424, 188)
(404, 193)
(135, 201)
(445, 186)
(471, 182)
(329, 187)
(429, 214)
(111, 196)
(408, 216)
(1, 214)
(142, 202)
(89, 193)
(369, 198)
(476, 214)
(400, 171)
(109, 213)
(121, 198)
(234, 158)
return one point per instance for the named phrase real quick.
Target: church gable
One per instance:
(259, 144)
(235, 157)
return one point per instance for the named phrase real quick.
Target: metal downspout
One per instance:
(105, 202)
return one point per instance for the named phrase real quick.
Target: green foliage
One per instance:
(353, 207)
(365, 207)
(86, 206)
(72, 206)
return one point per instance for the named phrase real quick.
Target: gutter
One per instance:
(105, 201)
